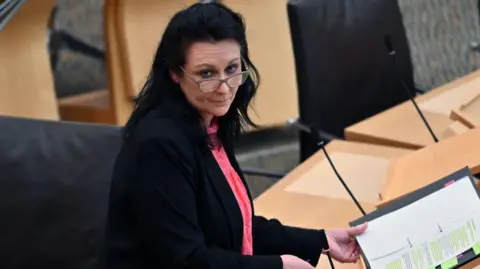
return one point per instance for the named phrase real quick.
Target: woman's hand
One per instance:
(343, 246)
(293, 262)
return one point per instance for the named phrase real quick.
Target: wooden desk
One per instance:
(26, 80)
(311, 196)
(468, 113)
(401, 126)
(424, 166)
(454, 129)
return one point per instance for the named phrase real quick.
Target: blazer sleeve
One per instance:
(273, 238)
(164, 209)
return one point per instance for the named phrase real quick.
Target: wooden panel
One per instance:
(141, 26)
(424, 166)
(332, 206)
(121, 103)
(133, 29)
(454, 129)
(87, 107)
(271, 51)
(26, 81)
(469, 113)
(402, 126)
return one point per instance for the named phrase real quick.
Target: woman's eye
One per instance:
(206, 74)
(232, 69)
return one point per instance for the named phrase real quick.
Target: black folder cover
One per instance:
(467, 256)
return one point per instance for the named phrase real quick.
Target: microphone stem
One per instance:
(314, 132)
(411, 97)
(420, 113)
(341, 179)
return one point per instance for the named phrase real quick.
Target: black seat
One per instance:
(54, 186)
(343, 70)
(54, 189)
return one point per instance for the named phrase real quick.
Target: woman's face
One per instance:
(206, 62)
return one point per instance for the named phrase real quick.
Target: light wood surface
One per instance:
(26, 80)
(454, 129)
(475, 264)
(312, 197)
(134, 29)
(424, 166)
(270, 45)
(92, 107)
(113, 105)
(468, 113)
(120, 100)
(401, 125)
(141, 24)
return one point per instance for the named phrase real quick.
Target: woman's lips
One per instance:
(220, 101)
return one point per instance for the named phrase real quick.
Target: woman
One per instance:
(178, 198)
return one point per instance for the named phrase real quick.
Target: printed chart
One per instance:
(437, 251)
(430, 232)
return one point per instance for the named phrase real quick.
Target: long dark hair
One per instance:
(198, 22)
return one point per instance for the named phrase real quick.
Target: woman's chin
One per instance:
(220, 111)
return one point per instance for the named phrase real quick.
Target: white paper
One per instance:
(426, 233)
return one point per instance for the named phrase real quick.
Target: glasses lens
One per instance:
(237, 80)
(209, 85)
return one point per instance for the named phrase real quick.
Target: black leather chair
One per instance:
(54, 185)
(343, 69)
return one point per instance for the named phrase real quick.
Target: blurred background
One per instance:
(438, 31)
(441, 36)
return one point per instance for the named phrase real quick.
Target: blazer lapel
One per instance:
(227, 199)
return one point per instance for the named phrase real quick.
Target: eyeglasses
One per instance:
(210, 85)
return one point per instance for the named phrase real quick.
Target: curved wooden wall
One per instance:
(134, 29)
(26, 80)
(270, 45)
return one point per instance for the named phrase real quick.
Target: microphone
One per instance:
(319, 134)
(316, 134)
(391, 52)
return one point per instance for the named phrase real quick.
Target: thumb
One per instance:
(357, 230)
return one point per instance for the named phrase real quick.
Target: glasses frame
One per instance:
(221, 81)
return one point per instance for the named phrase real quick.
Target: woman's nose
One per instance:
(223, 88)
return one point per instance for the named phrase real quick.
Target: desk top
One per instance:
(312, 197)
(401, 125)
(468, 113)
(424, 166)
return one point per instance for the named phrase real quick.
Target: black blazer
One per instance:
(171, 207)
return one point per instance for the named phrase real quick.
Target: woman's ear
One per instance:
(174, 77)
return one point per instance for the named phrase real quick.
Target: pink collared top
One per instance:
(238, 189)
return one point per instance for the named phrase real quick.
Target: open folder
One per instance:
(8, 8)
(437, 226)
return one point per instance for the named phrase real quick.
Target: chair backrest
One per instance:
(344, 71)
(136, 29)
(54, 192)
(26, 80)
